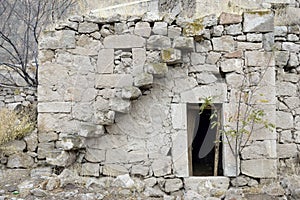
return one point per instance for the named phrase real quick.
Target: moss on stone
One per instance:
(260, 12)
(194, 28)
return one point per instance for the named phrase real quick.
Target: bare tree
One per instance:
(21, 24)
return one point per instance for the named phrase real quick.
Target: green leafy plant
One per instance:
(13, 125)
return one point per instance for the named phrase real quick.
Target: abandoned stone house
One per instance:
(120, 93)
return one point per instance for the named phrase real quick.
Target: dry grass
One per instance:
(13, 125)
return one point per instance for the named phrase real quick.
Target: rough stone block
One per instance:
(213, 57)
(105, 118)
(162, 166)
(131, 93)
(281, 58)
(158, 42)
(249, 46)
(203, 46)
(261, 168)
(160, 28)
(83, 111)
(284, 120)
(86, 27)
(114, 170)
(157, 69)
(113, 80)
(57, 40)
(287, 150)
(235, 29)
(204, 68)
(142, 29)
(64, 159)
(120, 105)
(140, 170)
(172, 185)
(171, 56)
(217, 182)
(224, 43)
(180, 154)
(258, 21)
(286, 89)
(291, 46)
(20, 160)
(259, 59)
(90, 169)
(123, 41)
(206, 78)
(105, 62)
(107, 141)
(143, 80)
(54, 107)
(139, 59)
(217, 90)
(174, 31)
(95, 155)
(179, 113)
(184, 43)
(291, 16)
(197, 58)
(229, 18)
(232, 65)
(115, 156)
(260, 150)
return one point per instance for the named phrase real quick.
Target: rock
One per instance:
(260, 168)
(210, 20)
(224, 43)
(290, 46)
(153, 192)
(113, 81)
(52, 183)
(239, 181)
(123, 181)
(235, 29)
(213, 58)
(123, 41)
(105, 118)
(54, 107)
(68, 177)
(72, 143)
(160, 28)
(13, 147)
(20, 160)
(280, 30)
(258, 21)
(281, 58)
(105, 61)
(218, 30)
(41, 172)
(173, 185)
(65, 159)
(287, 150)
(229, 18)
(206, 78)
(95, 155)
(174, 31)
(184, 43)
(192, 195)
(203, 46)
(90, 169)
(162, 166)
(260, 149)
(293, 61)
(274, 189)
(158, 42)
(58, 40)
(116, 156)
(268, 41)
(131, 93)
(171, 56)
(197, 58)
(86, 27)
(157, 69)
(120, 105)
(140, 170)
(254, 37)
(38, 192)
(142, 29)
(261, 59)
(143, 80)
(31, 141)
(114, 170)
(232, 65)
(284, 120)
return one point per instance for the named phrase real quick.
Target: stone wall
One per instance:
(121, 107)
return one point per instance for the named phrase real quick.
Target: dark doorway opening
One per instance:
(203, 143)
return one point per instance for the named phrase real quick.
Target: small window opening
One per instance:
(205, 149)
